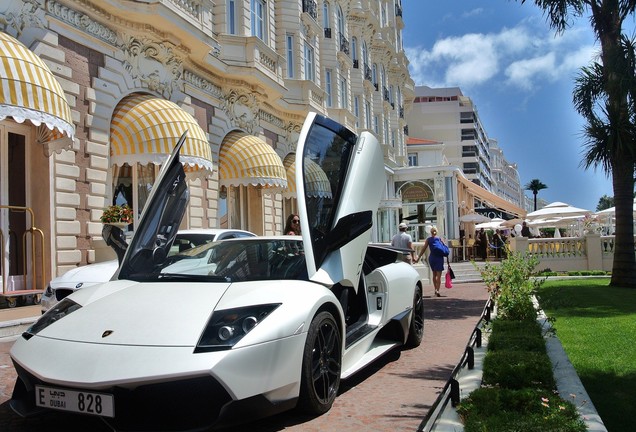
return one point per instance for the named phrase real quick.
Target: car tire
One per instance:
(322, 362)
(416, 328)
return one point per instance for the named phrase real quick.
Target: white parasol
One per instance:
(556, 210)
(474, 217)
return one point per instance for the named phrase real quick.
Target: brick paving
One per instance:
(393, 394)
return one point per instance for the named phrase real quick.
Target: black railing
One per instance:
(451, 390)
(406, 130)
(344, 44)
(328, 33)
(398, 10)
(401, 112)
(311, 7)
(367, 73)
(385, 92)
(356, 64)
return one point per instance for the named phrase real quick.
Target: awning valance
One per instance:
(145, 129)
(245, 159)
(491, 198)
(29, 91)
(317, 183)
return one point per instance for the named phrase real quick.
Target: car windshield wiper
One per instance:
(190, 277)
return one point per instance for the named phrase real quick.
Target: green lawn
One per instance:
(597, 326)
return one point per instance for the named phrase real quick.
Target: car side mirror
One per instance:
(116, 239)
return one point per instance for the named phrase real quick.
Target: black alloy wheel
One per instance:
(322, 362)
(416, 329)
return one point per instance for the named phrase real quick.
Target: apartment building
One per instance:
(452, 158)
(505, 176)
(240, 75)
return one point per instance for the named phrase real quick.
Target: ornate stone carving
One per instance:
(31, 14)
(242, 109)
(202, 84)
(290, 129)
(153, 63)
(81, 21)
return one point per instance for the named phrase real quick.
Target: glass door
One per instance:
(15, 221)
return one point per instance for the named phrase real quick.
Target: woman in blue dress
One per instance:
(435, 261)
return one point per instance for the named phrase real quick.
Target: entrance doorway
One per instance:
(22, 245)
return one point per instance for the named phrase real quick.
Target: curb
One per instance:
(15, 327)
(568, 383)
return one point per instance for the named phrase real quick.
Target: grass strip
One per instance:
(596, 325)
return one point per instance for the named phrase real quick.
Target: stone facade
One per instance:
(229, 69)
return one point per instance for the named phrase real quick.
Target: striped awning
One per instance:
(29, 91)
(245, 159)
(146, 128)
(317, 182)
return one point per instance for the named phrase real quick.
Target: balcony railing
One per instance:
(328, 33)
(401, 112)
(387, 96)
(356, 64)
(398, 10)
(344, 44)
(367, 72)
(310, 7)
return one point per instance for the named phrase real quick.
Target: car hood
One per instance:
(93, 273)
(142, 314)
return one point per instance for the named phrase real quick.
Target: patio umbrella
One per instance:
(474, 217)
(493, 224)
(610, 212)
(557, 210)
(510, 223)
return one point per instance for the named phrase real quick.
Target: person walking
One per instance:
(403, 240)
(435, 261)
(292, 226)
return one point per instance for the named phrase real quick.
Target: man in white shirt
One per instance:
(403, 240)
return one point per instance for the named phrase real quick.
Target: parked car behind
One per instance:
(93, 274)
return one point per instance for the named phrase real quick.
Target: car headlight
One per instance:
(226, 327)
(51, 316)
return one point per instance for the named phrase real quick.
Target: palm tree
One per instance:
(535, 185)
(605, 95)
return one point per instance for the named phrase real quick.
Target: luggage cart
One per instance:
(14, 289)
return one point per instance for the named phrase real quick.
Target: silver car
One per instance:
(93, 274)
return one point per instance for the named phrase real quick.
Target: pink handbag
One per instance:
(449, 281)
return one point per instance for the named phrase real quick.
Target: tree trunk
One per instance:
(624, 266)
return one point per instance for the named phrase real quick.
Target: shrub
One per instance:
(516, 336)
(510, 286)
(528, 410)
(518, 369)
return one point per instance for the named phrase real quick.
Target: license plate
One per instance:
(101, 404)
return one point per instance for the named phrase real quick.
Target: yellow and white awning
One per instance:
(145, 129)
(29, 91)
(245, 159)
(317, 182)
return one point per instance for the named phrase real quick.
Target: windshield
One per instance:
(233, 261)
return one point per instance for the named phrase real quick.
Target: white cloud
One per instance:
(522, 57)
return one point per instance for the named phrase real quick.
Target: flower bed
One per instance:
(518, 391)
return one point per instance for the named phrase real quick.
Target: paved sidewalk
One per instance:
(14, 321)
(393, 394)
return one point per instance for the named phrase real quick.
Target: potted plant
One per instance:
(117, 215)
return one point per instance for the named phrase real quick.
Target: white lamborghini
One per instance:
(244, 328)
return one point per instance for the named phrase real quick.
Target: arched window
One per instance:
(354, 52)
(341, 23)
(326, 22)
(374, 75)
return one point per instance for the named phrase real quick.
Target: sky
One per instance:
(520, 75)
